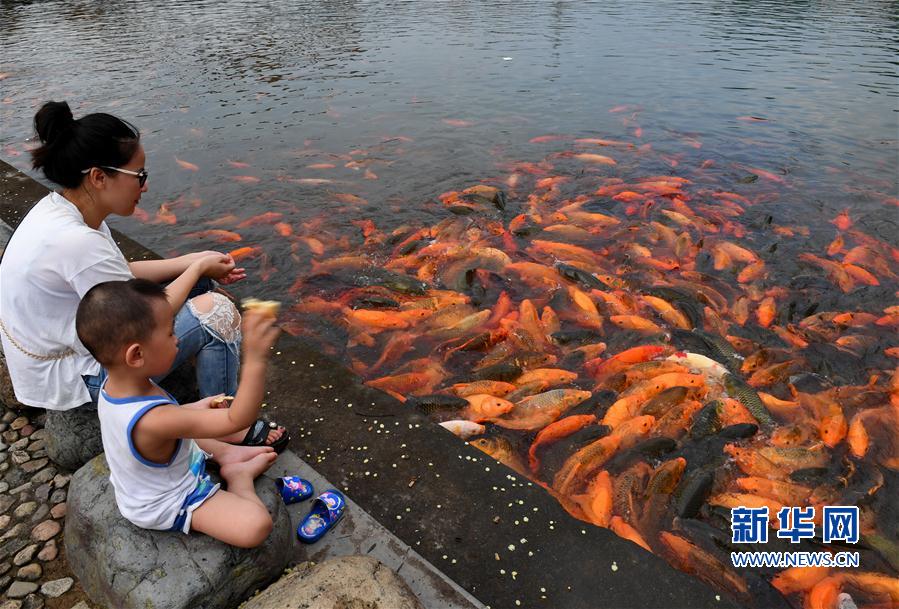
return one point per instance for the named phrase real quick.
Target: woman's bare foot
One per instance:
(248, 469)
(227, 454)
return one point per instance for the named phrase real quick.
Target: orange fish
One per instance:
(496, 388)
(542, 139)
(842, 221)
(784, 492)
(457, 122)
(626, 531)
(216, 234)
(269, 217)
(798, 579)
(629, 402)
(484, 407)
(624, 359)
(694, 560)
(238, 164)
(375, 319)
(243, 253)
(350, 199)
(554, 432)
(246, 179)
(635, 322)
(187, 165)
(165, 215)
(836, 246)
(284, 229)
(595, 158)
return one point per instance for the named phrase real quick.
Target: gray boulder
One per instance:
(348, 582)
(122, 566)
(73, 436)
(7, 395)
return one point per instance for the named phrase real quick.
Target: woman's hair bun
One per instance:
(52, 120)
(68, 147)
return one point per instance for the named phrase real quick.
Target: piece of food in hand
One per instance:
(266, 307)
(219, 400)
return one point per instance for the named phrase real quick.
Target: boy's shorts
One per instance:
(205, 489)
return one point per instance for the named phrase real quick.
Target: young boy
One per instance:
(156, 449)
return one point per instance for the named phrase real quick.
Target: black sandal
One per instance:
(257, 435)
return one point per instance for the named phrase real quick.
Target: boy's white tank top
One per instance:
(148, 494)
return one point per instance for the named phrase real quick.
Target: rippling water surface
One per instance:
(428, 97)
(735, 159)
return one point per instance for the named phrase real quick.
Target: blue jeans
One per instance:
(217, 362)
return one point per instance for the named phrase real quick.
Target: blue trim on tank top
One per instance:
(133, 448)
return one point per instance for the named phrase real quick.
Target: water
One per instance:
(282, 85)
(349, 120)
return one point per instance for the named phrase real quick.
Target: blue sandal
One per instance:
(327, 510)
(294, 489)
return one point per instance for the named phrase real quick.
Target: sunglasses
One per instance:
(141, 175)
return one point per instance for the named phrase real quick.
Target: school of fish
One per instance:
(651, 347)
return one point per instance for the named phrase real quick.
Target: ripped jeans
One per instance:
(217, 351)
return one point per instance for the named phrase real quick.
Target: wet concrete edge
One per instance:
(502, 539)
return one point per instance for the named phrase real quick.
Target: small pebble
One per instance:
(49, 552)
(30, 573)
(19, 444)
(21, 589)
(18, 423)
(45, 530)
(34, 465)
(25, 555)
(41, 514)
(43, 476)
(57, 587)
(42, 493)
(59, 510)
(33, 601)
(25, 509)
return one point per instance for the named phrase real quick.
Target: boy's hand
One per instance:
(259, 335)
(213, 401)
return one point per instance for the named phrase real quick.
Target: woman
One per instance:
(62, 248)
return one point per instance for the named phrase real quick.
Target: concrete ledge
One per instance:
(503, 540)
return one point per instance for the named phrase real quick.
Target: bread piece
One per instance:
(266, 307)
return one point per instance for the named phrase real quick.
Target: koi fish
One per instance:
(216, 234)
(187, 165)
(463, 429)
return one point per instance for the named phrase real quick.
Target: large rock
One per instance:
(348, 582)
(7, 395)
(121, 566)
(73, 436)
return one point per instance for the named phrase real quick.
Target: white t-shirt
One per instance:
(149, 494)
(51, 261)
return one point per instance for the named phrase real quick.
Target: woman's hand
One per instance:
(214, 265)
(234, 276)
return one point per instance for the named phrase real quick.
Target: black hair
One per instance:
(115, 313)
(70, 146)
